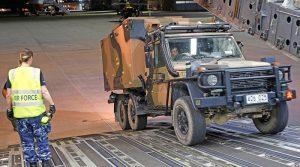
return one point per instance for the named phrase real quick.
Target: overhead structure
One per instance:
(276, 21)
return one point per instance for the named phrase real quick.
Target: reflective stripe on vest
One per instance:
(13, 72)
(35, 73)
(27, 104)
(27, 99)
(26, 92)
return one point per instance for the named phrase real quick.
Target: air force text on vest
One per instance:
(25, 97)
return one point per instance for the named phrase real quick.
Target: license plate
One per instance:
(257, 98)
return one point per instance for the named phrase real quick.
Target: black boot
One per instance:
(33, 164)
(46, 163)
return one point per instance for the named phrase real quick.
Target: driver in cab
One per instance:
(174, 53)
(176, 56)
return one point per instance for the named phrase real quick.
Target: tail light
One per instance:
(290, 94)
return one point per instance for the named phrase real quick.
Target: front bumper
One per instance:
(238, 101)
(240, 82)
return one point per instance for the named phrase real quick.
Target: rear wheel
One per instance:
(137, 122)
(275, 121)
(189, 124)
(121, 113)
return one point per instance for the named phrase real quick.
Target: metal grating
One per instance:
(251, 73)
(236, 143)
(251, 85)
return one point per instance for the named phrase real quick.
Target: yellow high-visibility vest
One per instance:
(26, 90)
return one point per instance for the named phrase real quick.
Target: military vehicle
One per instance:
(194, 72)
(34, 7)
(128, 9)
(53, 8)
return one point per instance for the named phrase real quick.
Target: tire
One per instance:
(276, 122)
(137, 122)
(189, 124)
(121, 113)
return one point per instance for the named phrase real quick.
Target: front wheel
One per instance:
(189, 124)
(275, 121)
(137, 122)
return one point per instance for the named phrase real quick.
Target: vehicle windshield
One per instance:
(203, 48)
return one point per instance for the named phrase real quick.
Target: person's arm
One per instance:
(7, 87)
(46, 95)
(9, 111)
(8, 98)
(45, 92)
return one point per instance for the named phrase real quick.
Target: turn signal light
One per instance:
(276, 63)
(201, 69)
(289, 95)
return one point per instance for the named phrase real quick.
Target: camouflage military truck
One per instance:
(194, 72)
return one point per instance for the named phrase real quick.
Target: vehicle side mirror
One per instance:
(149, 60)
(240, 44)
(269, 59)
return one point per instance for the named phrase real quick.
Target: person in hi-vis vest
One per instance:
(26, 90)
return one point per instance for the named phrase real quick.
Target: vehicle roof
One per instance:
(198, 34)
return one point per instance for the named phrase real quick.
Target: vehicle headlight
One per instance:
(280, 75)
(212, 80)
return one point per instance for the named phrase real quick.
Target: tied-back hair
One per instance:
(25, 55)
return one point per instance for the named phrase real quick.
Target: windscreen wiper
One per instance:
(226, 56)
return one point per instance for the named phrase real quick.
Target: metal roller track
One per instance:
(236, 143)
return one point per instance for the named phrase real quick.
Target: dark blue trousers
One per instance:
(31, 130)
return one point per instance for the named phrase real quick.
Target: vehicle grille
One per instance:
(251, 74)
(252, 85)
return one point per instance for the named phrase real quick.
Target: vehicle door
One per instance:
(157, 86)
